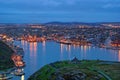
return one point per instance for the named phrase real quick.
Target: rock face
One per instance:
(72, 75)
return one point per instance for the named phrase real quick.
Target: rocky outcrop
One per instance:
(72, 75)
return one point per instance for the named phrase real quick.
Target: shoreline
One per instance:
(9, 73)
(73, 43)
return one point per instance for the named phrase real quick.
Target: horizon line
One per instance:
(59, 22)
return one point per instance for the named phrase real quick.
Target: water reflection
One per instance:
(68, 48)
(33, 53)
(43, 43)
(22, 77)
(35, 48)
(64, 48)
(119, 55)
(85, 48)
(31, 48)
(61, 47)
(23, 42)
(43, 46)
(53, 52)
(69, 51)
(61, 51)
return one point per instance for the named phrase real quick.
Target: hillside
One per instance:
(5, 56)
(80, 70)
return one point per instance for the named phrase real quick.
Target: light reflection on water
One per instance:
(39, 54)
(61, 51)
(43, 46)
(119, 55)
(22, 77)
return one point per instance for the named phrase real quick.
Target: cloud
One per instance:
(74, 9)
(111, 5)
(61, 6)
(41, 2)
(56, 2)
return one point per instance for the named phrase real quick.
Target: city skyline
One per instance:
(42, 11)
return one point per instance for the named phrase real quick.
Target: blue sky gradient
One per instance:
(41, 11)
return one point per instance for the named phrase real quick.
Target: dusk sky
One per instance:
(41, 11)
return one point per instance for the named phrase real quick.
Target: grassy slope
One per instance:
(47, 72)
(5, 56)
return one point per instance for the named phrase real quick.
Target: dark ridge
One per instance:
(5, 56)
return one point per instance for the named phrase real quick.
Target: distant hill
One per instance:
(65, 23)
(5, 56)
(71, 23)
(77, 24)
(57, 23)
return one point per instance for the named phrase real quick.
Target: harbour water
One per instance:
(39, 54)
